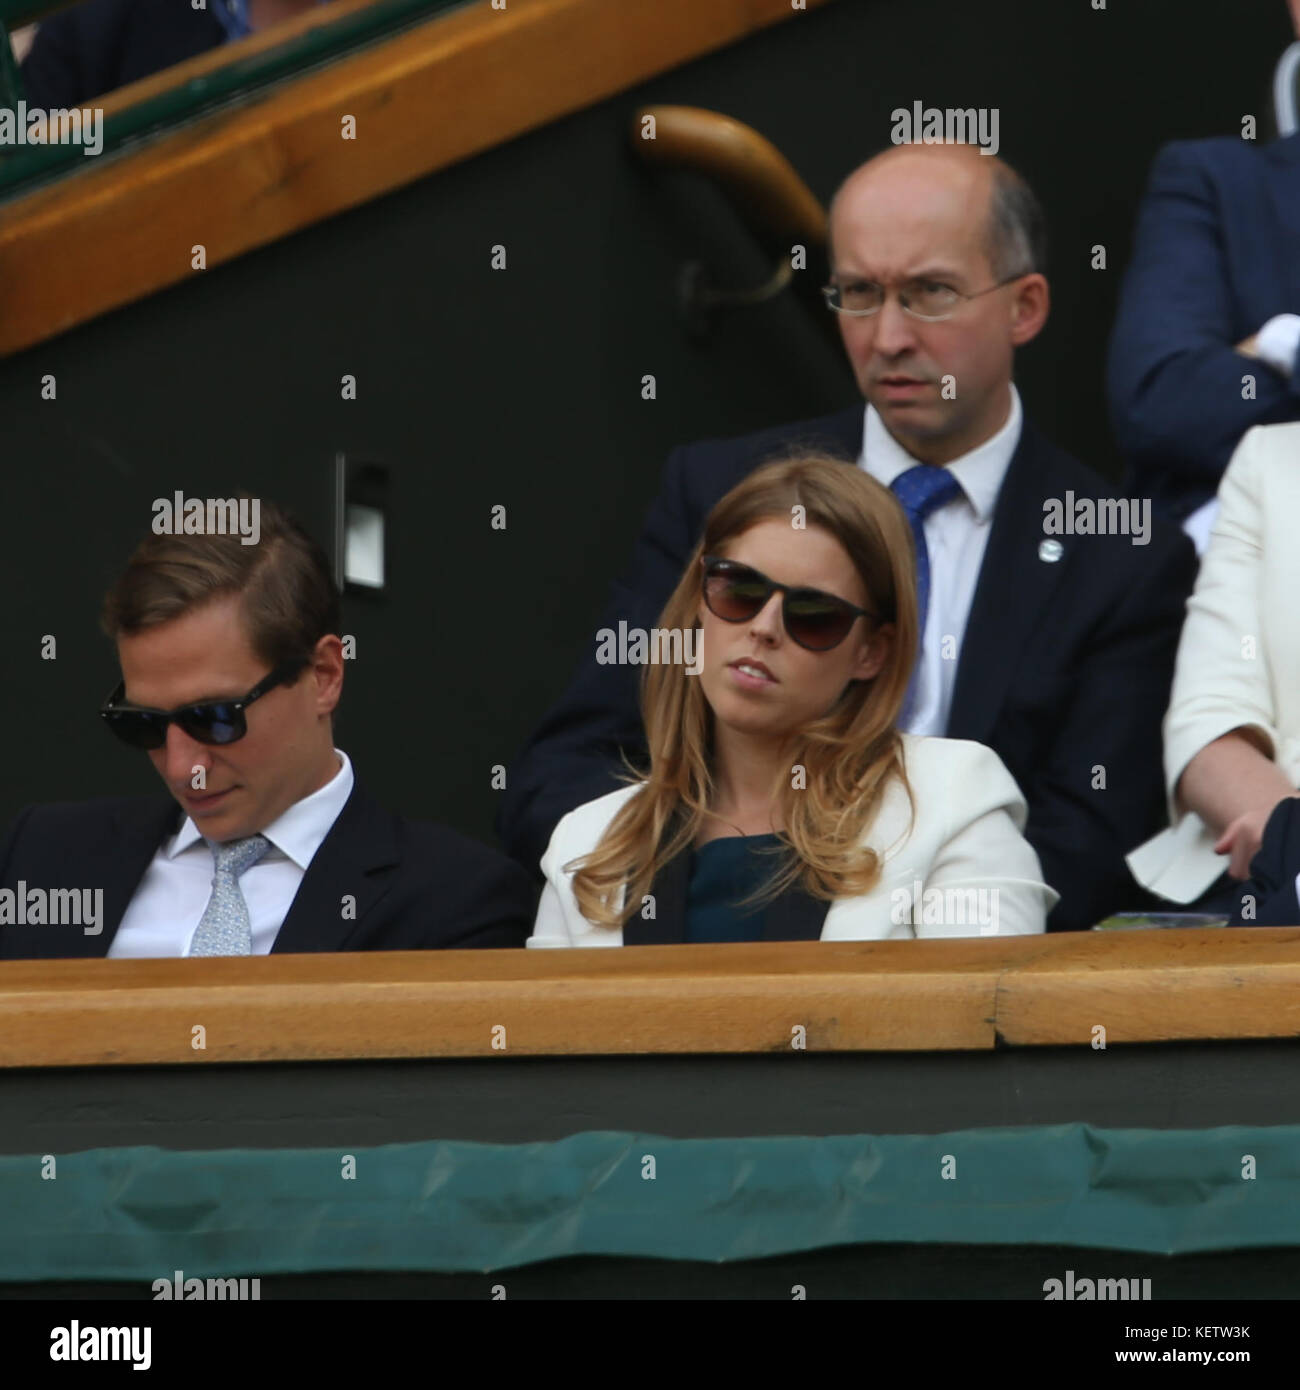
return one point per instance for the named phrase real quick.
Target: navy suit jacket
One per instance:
(93, 48)
(1270, 890)
(416, 885)
(1065, 667)
(1214, 258)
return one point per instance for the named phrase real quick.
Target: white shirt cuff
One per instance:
(1201, 522)
(1278, 341)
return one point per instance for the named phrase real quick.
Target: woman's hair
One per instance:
(847, 756)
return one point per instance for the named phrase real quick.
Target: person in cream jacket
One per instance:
(1232, 733)
(958, 866)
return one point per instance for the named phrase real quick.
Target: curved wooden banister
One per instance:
(957, 995)
(247, 175)
(761, 182)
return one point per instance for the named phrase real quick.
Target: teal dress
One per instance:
(723, 873)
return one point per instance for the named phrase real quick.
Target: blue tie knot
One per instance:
(923, 488)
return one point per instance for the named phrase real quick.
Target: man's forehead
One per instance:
(909, 259)
(165, 686)
(910, 237)
(213, 628)
(199, 655)
(926, 191)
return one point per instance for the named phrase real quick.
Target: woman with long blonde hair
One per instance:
(781, 801)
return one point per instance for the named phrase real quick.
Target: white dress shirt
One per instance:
(170, 899)
(1198, 526)
(955, 536)
(1277, 344)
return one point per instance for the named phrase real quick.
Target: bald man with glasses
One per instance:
(1054, 648)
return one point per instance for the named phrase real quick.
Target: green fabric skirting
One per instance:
(141, 1213)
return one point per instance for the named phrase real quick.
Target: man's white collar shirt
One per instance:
(161, 917)
(955, 536)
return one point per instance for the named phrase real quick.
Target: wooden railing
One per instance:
(961, 995)
(765, 187)
(247, 175)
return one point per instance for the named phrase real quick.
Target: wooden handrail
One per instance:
(754, 174)
(244, 176)
(959, 995)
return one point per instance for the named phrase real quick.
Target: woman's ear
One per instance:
(874, 654)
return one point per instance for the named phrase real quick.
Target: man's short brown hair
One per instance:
(287, 595)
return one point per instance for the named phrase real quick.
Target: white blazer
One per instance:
(1239, 654)
(965, 836)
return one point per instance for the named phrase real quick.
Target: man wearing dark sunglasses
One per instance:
(232, 668)
(1056, 652)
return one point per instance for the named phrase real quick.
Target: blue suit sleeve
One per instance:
(1110, 718)
(1271, 871)
(1174, 378)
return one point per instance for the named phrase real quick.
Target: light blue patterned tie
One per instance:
(921, 490)
(225, 929)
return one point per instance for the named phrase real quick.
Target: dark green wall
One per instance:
(523, 388)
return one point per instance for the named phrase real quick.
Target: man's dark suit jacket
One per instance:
(1214, 259)
(1065, 667)
(1270, 889)
(93, 48)
(416, 885)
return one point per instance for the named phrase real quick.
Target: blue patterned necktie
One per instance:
(921, 490)
(225, 929)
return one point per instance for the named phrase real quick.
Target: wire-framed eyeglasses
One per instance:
(930, 300)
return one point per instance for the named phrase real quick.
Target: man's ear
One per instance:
(327, 671)
(1029, 308)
